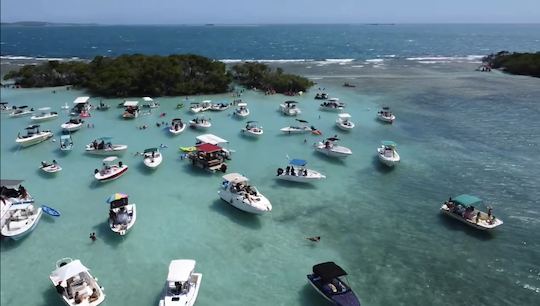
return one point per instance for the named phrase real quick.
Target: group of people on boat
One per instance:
(244, 190)
(289, 170)
(468, 212)
(78, 298)
(7, 192)
(47, 164)
(120, 217)
(198, 120)
(100, 145)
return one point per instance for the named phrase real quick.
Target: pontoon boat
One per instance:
(209, 157)
(81, 106)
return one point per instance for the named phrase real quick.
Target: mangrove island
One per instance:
(515, 63)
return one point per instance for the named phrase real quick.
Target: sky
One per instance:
(270, 11)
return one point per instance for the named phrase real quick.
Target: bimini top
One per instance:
(235, 178)
(131, 103)
(67, 271)
(211, 139)
(290, 102)
(176, 120)
(110, 159)
(344, 116)
(332, 139)
(31, 127)
(81, 100)
(328, 270)
(242, 104)
(466, 199)
(147, 99)
(150, 150)
(208, 148)
(333, 100)
(180, 270)
(297, 162)
(300, 120)
(10, 183)
(389, 143)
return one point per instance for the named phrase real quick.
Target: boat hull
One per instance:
(24, 230)
(344, 127)
(26, 142)
(342, 152)
(118, 172)
(252, 133)
(115, 150)
(153, 164)
(177, 132)
(71, 127)
(51, 169)
(242, 204)
(42, 119)
(387, 119)
(483, 226)
(312, 176)
(288, 130)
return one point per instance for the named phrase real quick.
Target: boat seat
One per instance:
(14, 225)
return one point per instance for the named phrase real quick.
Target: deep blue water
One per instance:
(270, 41)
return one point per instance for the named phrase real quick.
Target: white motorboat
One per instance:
(74, 124)
(200, 123)
(150, 103)
(122, 214)
(218, 107)
(66, 143)
(290, 108)
(203, 106)
(462, 208)
(241, 111)
(20, 220)
(152, 158)
(329, 148)
(388, 154)
(75, 284)
(103, 146)
(182, 286)
(21, 111)
(385, 115)
(131, 110)
(236, 191)
(5, 108)
(11, 193)
(33, 136)
(303, 127)
(81, 107)
(45, 114)
(344, 122)
(252, 129)
(177, 126)
(215, 140)
(296, 171)
(52, 167)
(110, 171)
(332, 105)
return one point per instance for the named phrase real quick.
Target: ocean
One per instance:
(458, 131)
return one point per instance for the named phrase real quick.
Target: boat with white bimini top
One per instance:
(200, 123)
(241, 111)
(236, 191)
(75, 284)
(463, 208)
(385, 115)
(290, 108)
(131, 110)
(66, 142)
(122, 214)
(74, 124)
(150, 103)
(344, 122)
(303, 127)
(329, 281)
(81, 105)
(50, 167)
(110, 171)
(218, 107)
(104, 146)
(252, 128)
(44, 115)
(199, 107)
(18, 215)
(33, 136)
(329, 148)
(332, 105)
(388, 154)
(296, 171)
(152, 158)
(182, 286)
(177, 126)
(21, 111)
(215, 140)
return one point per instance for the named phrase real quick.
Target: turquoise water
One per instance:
(458, 132)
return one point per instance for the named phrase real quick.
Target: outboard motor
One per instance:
(96, 171)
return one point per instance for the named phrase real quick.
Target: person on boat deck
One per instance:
(305, 172)
(59, 288)
(292, 171)
(287, 170)
(94, 296)
(77, 298)
(477, 217)
(327, 144)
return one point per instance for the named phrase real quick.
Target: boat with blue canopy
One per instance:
(463, 208)
(296, 171)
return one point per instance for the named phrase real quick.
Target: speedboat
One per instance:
(208, 157)
(182, 286)
(343, 122)
(329, 280)
(241, 111)
(74, 124)
(236, 191)
(462, 208)
(122, 214)
(21, 111)
(5, 108)
(203, 106)
(329, 148)
(110, 171)
(385, 115)
(66, 143)
(33, 136)
(219, 107)
(252, 129)
(131, 110)
(19, 220)
(103, 146)
(332, 105)
(321, 96)
(150, 103)
(152, 158)
(300, 129)
(52, 167)
(45, 115)
(81, 106)
(75, 284)
(346, 84)
(388, 154)
(290, 108)
(299, 174)
(102, 106)
(200, 123)
(177, 126)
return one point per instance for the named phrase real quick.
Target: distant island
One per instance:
(43, 24)
(515, 63)
(146, 75)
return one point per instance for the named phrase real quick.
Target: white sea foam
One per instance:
(375, 60)
(446, 59)
(339, 60)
